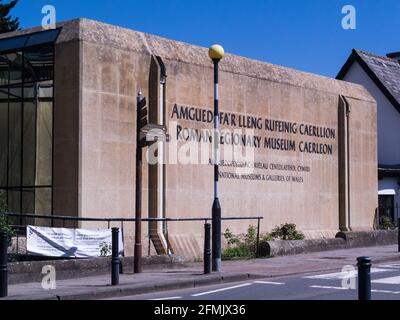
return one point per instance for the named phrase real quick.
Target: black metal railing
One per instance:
(74, 222)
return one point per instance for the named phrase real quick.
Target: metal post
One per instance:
(3, 265)
(398, 236)
(258, 239)
(216, 208)
(364, 278)
(115, 262)
(149, 242)
(137, 267)
(167, 236)
(207, 248)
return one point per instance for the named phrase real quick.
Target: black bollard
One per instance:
(207, 248)
(115, 262)
(364, 278)
(3, 265)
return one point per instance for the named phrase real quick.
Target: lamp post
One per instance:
(216, 53)
(141, 119)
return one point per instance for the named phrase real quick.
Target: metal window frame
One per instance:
(22, 187)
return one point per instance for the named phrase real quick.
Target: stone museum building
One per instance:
(295, 147)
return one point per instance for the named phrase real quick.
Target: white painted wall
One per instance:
(388, 125)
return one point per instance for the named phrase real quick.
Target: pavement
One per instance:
(191, 276)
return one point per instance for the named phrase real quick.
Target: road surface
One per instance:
(318, 286)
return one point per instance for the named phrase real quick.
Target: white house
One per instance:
(380, 75)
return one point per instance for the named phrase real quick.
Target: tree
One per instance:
(7, 23)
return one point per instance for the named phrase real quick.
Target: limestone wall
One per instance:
(99, 70)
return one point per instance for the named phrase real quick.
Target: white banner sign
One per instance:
(68, 243)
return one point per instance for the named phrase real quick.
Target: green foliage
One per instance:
(105, 249)
(386, 223)
(245, 246)
(286, 231)
(238, 252)
(240, 246)
(250, 239)
(3, 202)
(231, 238)
(4, 225)
(266, 237)
(7, 23)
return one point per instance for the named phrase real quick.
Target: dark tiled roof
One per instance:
(384, 71)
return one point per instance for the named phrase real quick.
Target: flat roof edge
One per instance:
(96, 32)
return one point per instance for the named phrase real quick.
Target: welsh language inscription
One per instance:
(255, 123)
(265, 133)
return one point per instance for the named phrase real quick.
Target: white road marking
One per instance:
(269, 282)
(328, 287)
(391, 280)
(170, 298)
(343, 275)
(391, 266)
(219, 290)
(385, 291)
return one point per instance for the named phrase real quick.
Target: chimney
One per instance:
(394, 55)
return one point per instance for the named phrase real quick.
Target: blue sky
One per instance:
(301, 34)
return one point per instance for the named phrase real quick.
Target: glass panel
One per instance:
(15, 94)
(39, 64)
(15, 63)
(28, 205)
(43, 37)
(26, 126)
(3, 95)
(44, 143)
(14, 201)
(3, 143)
(3, 71)
(30, 92)
(13, 43)
(14, 156)
(43, 206)
(29, 147)
(45, 89)
(3, 200)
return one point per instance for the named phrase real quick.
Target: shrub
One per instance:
(240, 246)
(105, 249)
(231, 238)
(4, 225)
(287, 231)
(238, 252)
(245, 246)
(386, 223)
(3, 202)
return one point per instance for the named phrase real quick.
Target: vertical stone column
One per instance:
(66, 134)
(157, 171)
(344, 164)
